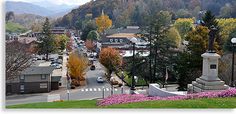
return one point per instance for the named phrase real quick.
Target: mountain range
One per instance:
(42, 8)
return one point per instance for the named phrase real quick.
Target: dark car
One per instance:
(92, 67)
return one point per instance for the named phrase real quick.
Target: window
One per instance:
(43, 85)
(121, 40)
(22, 77)
(116, 40)
(43, 76)
(111, 40)
(22, 87)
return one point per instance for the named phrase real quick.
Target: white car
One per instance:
(100, 80)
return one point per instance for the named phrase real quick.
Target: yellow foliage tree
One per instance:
(76, 66)
(103, 22)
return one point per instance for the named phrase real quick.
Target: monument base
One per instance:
(209, 80)
(201, 85)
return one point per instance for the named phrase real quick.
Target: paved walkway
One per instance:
(64, 70)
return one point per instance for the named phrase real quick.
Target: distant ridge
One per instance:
(28, 8)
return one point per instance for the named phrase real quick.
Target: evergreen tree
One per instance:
(46, 43)
(209, 20)
(161, 46)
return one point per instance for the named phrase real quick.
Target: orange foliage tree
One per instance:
(103, 22)
(111, 59)
(89, 44)
(76, 66)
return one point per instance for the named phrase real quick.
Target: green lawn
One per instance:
(197, 103)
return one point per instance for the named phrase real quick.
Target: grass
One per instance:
(196, 103)
(14, 27)
(65, 104)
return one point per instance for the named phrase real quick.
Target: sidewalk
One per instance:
(64, 70)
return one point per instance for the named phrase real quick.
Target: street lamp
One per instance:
(233, 41)
(68, 86)
(122, 77)
(133, 41)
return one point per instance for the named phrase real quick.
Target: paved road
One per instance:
(92, 90)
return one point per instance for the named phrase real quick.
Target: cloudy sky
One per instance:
(58, 2)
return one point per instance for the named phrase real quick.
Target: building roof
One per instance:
(122, 35)
(128, 29)
(27, 40)
(38, 70)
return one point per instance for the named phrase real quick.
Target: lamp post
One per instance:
(122, 77)
(233, 41)
(133, 41)
(68, 86)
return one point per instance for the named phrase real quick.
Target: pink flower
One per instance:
(127, 98)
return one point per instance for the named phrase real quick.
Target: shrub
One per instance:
(75, 82)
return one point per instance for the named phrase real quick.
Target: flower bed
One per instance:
(127, 98)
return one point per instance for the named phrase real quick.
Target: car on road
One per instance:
(92, 67)
(100, 79)
(56, 65)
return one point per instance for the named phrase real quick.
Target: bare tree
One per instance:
(17, 59)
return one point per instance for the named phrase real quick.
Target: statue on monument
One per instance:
(211, 41)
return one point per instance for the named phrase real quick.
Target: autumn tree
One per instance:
(174, 35)
(76, 66)
(46, 41)
(103, 22)
(89, 44)
(111, 59)
(184, 25)
(60, 41)
(227, 27)
(69, 46)
(189, 63)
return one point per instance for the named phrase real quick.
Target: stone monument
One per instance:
(209, 81)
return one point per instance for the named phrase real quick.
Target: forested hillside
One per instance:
(134, 12)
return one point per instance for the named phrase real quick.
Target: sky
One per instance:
(58, 2)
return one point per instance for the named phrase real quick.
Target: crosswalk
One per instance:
(97, 89)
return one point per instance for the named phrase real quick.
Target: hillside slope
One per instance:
(132, 12)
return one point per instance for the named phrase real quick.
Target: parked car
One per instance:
(92, 67)
(56, 65)
(100, 80)
(91, 55)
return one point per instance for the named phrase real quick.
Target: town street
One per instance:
(92, 90)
